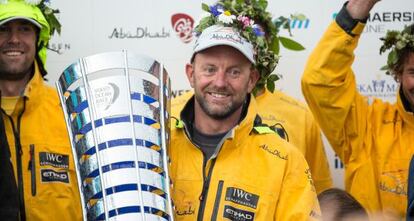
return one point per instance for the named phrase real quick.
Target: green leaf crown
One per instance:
(256, 26)
(396, 41)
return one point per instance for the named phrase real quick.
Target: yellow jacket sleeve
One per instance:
(316, 156)
(298, 196)
(329, 87)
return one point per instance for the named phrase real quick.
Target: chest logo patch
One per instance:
(241, 197)
(237, 214)
(54, 160)
(49, 175)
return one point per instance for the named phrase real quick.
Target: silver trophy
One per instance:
(116, 109)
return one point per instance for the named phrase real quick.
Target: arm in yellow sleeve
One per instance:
(298, 199)
(329, 87)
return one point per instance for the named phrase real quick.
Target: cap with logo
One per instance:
(220, 35)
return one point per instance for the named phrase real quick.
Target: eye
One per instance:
(4, 29)
(26, 28)
(210, 70)
(234, 72)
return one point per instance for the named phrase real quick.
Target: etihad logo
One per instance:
(49, 175)
(232, 213)
(183, 24)
(380, 88)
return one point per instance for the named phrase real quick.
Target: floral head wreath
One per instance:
(256, 26)
(397, 41)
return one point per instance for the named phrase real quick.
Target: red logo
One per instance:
(183, 26)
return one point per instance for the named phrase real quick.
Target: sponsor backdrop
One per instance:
(162, 29)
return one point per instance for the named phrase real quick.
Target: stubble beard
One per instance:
(14, 74)
(226, 111)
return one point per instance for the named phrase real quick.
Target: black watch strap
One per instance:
(346, 22)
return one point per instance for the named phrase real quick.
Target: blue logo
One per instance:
(299, 24)
(378, 88)
(338, 163)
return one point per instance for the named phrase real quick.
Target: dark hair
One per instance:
(40, 64)
(341, 204)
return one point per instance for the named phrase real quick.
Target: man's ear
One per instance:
(253, 78)
(189, 70)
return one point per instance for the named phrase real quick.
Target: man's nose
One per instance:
(14, 36)
(221, 79)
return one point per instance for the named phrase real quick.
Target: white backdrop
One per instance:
(161, 29)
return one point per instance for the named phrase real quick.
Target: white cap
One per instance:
(4, 21)
(219, 35)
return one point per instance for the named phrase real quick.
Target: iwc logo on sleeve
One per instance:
(241, 197)
(54, 160)
(237, 214)
(49, 175)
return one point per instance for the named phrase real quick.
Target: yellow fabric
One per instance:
(43, 125)
(375, 141)
(9, 103)
(261, 164)
(302, 130)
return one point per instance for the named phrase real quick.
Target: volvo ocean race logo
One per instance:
(105, 96)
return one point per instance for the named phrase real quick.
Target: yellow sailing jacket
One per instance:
(254, 175)
(375, 141)
(294, 122)
(45, 158)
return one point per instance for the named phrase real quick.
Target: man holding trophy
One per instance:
(37, 179)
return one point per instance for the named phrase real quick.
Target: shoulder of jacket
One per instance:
(290, 101)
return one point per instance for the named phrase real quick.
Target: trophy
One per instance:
(116, 108)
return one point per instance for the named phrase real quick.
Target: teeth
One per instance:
(13, 53)
(218, 95)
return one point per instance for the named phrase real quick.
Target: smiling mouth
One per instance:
(13, 53)
(217, 95)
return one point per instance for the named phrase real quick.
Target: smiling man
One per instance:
(373, 139)
(37, 180)
(225, 164)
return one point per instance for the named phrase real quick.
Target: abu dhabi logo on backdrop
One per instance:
(378, 22)
(183, 25)
(379, 87)
(138, 33)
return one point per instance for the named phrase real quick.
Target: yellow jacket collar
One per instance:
(35, 86)
(408, 117)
